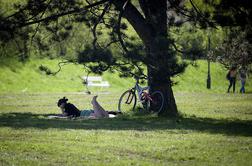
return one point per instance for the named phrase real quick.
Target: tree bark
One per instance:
(159, 83)
(160, 80)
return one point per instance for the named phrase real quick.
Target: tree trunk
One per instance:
(160, 84)
(158, 80)
(158, 53)
(152, 29)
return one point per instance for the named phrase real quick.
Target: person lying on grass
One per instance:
(70, 110)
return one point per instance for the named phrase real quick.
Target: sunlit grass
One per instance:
(18, 77)
(234, 106)
(214, 129)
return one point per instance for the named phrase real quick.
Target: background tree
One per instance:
(235, 50)
(235, 17)
(192, 41)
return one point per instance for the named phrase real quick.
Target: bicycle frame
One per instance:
(141, 90)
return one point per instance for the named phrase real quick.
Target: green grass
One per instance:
(194, 79)
(214, 129)
(18, 77)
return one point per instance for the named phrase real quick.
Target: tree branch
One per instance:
(98, 21)
(59, 64)
(37, 28)
(176, 48)
(56, 16)
(119, 27)
(136, 19)
(202, 16)
(144, 7)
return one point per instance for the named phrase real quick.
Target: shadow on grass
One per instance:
(40, 121)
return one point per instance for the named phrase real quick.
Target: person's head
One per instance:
(61, 103)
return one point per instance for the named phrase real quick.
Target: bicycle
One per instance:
(153, 101)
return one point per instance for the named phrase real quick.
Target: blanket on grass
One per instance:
(65, 117)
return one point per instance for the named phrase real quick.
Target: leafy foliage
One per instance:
(102, 59)
(236, 50)
(45, 69)
(53, 23)
(233, 13)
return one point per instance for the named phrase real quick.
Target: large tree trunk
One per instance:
(160, 80)
(157, 51)
(159, 83)
(152, 29)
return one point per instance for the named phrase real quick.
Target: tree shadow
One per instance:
(186, 124)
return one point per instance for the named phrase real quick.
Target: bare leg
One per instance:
(99, 111)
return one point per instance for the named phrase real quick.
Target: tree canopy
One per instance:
(60, 18)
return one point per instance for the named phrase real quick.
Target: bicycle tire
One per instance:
(127, 101)
(157, 102)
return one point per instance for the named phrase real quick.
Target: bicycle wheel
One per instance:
(156, 102)
(127, 101)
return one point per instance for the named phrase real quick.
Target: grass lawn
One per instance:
(214, 129)
(16, 77)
